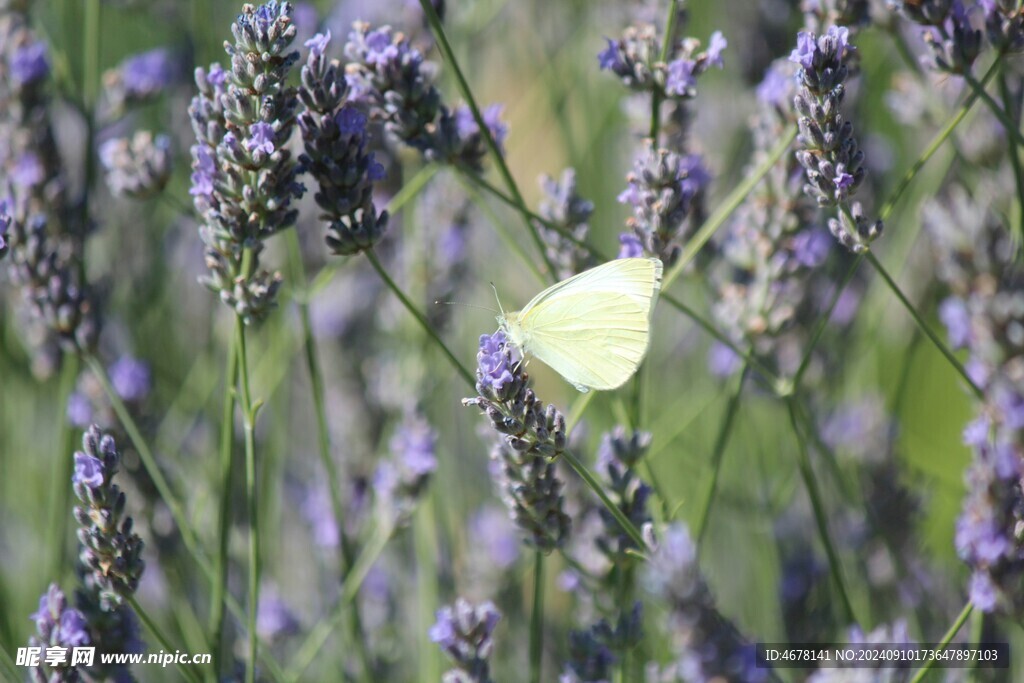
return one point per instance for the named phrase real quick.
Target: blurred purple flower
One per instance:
(466, 125)
(722, 360)
(28, 171)
(491, 530)
(716, 44)
(146, 74)
(609, 57)
(79, 410)
(318, 43)
(205, 168)
(131, 378)
(350, 121)
(954, 315)
(29, 63)
(680, 79)
(413, 443)
(274, 619)
(811, 247)
(777, 87)
(630, 245)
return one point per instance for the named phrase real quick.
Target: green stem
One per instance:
(946, 639)
(60, 484)
(934, 146)
(943, 349)
(718, 456)
(666, 47)
(1015, 162)
(221, 561)
(499, 160)
(537, 619)
(725, 209)
(151, 626)
(249, 426)
(466, 374)
(811, 484)
(91, 54)
(978, 91)
(612, 508)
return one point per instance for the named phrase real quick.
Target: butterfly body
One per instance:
(593, 328)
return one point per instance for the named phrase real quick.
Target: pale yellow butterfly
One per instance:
(593, 328)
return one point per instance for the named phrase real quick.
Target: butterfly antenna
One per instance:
(438, 302)
(498, 299)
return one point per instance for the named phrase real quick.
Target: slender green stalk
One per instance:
(820, 518)
(725, 209)
(666, 47)
(8, 667)
(499, 160)
(718, 456)
(249, 425)
(221, 561)
(1009, 125)
(934, 146)
(63, 465)
(612, 508)
(943, 349)
(91, 54)
(537, 619)
(186, 670)
(946, 639)
(1015, 162)
(466, 374)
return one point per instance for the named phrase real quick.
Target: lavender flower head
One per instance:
(335, 140)
(141, 77)
(138, 167)
(531, 437)
(829, 153)
(564, 208)
(636, 59)
(244, 176)
(1004, 24)
(463, 631)
(57, 625)
(949, 33)
(666, 193)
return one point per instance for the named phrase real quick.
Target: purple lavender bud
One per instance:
(463, 631)
(680, 80)
(630, 246)
(723, 361)
(274, 618)
(716, 45)
(57, 624)
(806, 48)
(318, 44)
(954, 315)
(30, 63)
(88, 471)
(778, 86)
(204, 171)
(609, 58)
(131, 378)
(261, 138)
(493, 361)
(147, 74)
(28, 171)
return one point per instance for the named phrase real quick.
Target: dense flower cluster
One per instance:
(1004, 24)
(950, 34)
(708, 647)
(244, 176)
(141, 78)
(137, 167)
(563, 207)
(635, 59)
(57, 626)
(464, 631)
(393, 78)
(43, 232)
(666, 193)
(984, 314)
(829, 153)
(532, 438)
(335, 138)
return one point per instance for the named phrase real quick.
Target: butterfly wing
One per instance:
(595, 340)
(639, 278)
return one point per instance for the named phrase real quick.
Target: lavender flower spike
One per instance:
(464, 631)
(531, 439)
(830, 154)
